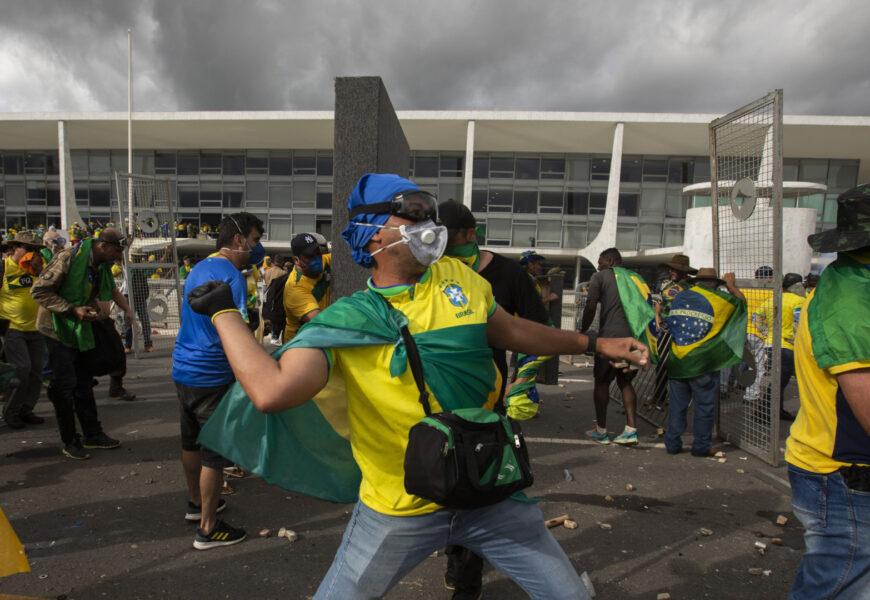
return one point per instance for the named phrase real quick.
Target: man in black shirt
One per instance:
(515, 292)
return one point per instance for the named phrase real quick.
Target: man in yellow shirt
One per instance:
(25, 346)
(793, 298)
(759, 337)
(828, 448)
(390, 532)
(306, 292)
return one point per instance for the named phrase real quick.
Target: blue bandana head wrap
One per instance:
(371, 189)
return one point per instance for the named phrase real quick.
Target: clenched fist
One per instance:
(211, 298)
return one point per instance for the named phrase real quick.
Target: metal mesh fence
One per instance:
(151, 283)
(746, 169)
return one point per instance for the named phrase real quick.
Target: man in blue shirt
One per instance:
(202, 375)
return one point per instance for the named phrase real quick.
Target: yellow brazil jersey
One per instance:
(381, 409)
(819, 433)
(16, 305)
(758, 304)
(303, 295)
(791, 311)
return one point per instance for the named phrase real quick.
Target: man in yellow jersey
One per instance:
(759, 335)
(25, 346)
(392, 231)
(306, 292)
(793, 298)
(828, 449)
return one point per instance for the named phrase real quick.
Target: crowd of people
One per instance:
(429, 272)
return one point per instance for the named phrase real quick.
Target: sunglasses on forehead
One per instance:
(415, 205)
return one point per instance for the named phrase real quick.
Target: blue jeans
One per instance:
(836, 520)
(377, 550)
(705, 390)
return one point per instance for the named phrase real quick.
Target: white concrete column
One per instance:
(469, 165)
(606, 237)
(69, 212)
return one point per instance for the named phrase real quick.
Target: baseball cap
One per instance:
(304, 244)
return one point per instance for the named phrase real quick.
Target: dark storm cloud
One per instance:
(649, 56)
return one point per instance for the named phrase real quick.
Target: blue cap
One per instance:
(371, 189)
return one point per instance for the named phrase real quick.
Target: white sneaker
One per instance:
(275, 341)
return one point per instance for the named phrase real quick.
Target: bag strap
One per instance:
(414, 360)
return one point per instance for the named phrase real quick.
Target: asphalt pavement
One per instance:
(648, 523)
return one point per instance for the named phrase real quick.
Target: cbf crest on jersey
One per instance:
(455, 294)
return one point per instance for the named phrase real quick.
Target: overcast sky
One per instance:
(639, 56)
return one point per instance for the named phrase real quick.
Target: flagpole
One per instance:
(129, 133)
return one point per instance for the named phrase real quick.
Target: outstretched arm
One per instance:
(272, 386)
(528, 337)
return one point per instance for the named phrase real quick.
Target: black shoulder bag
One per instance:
(467, 458)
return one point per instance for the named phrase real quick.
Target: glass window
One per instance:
(815, 171)
(324, 166)
(81, 193)
(210, 198)
(843, 175)
(632, 170)
(815, 201)
(12, 165)
(52, 195)
(446, 191)
(830, 214)
(35, 190)
(597, 203)
(790, 167)
(676, 204)
(324, 199)
(279, 196)
(527, 168)
(578, 169)
(51, 166)
(303, 194)
(188, 164)
(478, 200)
(650, 235)
(498, 229)
(549, 230)
(627, 205)
(551, 202)
(525, 201)
(99, 163)
(164, 163)
(34, 164)
(280, 164)
(600, 169)
(257, 162)
(188, 197)
(673, 236)
(304, 222)
(500, 199)
(574, 236)
(702, 170)
(700, 201)
(256, 190)
(279, 229)
(426, 166)
(210, 164)
(655, 170)
(481, 168)
(451, 166)
(576, 202)
(626, 238)
(652, 201)
(144, 163)
(100, 196)
(79, 161)
(232, 199)
(234, 164)
(553, 168)
(501, 167)
(681, 171)
(304, 165)
(523, 235)
(592, 229)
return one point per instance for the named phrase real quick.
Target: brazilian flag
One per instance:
(709, 331)
(843, 291)
(307, 449)
(637, 304)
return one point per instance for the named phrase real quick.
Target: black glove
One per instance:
(211, 298)
(253, 319)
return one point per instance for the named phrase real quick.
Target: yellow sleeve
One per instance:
(298, 300)
(852, 366)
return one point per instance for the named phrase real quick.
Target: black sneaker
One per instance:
(14, 422)
(121, 394)
(74, 450)
(221, 535)
(101, 440)
(194, 512)
(32, 419)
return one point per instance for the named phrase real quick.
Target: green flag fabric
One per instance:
(842, 292)
(637, 304)
(307, 449)
(709, 331)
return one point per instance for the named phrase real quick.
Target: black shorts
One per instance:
(197, 404)
(602, 370)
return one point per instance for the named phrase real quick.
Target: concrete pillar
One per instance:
(606, 237)
(69, 211)
(368, 139)
(469, 165)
